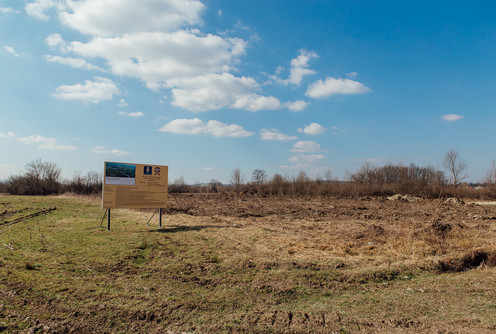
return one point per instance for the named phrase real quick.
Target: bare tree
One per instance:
(40, 178)
(259, 176)
(302, 177)
(366, 175)
(237, 179)
(328, 175)
(214, 186)
(91, 183)
(179, 186)
(94, 181)
(455, 166)
(491, 175)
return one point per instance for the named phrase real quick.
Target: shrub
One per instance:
(88, 184)
(39, 178)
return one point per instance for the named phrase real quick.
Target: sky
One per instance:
(206, 87)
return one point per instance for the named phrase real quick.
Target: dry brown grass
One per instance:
(419, 234)
(225, 263)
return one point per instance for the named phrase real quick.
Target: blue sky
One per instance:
(209, 86)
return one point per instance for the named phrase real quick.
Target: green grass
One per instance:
(208, 274)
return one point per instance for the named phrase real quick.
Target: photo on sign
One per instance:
(147, 170)
(120, 174)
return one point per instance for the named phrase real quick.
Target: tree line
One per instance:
(44, 178)
(368, 180)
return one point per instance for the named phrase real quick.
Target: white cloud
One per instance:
(131, 114)
(102, 150)
(45, 143)
(39, 8)
(72, 62)
(374, 161)
(90, 91)
(196, 126)
(112, 17)
(274, 134)
(452, 117)
(8, 10)
(122, 103)
(207, 168)
(306, 147)
(313, 129)
(155, 41)
(11, 50)
(309, 158)
(157, 58)
(9, 134)
(352, 75)
(216, 91)
(55, 41)
(255, 102)
(337, 130)
(296, 105)
(331, 86)
(299, 68)
(298, 166)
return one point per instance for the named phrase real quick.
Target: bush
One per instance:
(179, 186)
(390, 179)
(88, 184)
(3, 187)
(40, 178)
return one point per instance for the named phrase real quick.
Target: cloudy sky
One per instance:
(208, 86)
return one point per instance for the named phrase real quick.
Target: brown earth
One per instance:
(244, 263)
(443, 227)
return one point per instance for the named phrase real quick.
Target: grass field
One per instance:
(230, 264)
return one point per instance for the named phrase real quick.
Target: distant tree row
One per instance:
(44, 178)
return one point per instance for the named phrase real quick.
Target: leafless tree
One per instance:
(214, 185)
(179, 186)
(366, 175)
(259, 176)
(490, 178)
(237, 179)
(91, 183)
(40, 178)
(328, 175)
(302, 177)
(455, 166)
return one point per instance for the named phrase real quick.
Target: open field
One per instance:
(227, 263)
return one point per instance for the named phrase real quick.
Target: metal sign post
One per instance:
(108, 220)
(160, 217)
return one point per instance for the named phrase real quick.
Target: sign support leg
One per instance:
(103, 218)
(108, 220)
(160, 217)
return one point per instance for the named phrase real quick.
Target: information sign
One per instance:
(129, 185)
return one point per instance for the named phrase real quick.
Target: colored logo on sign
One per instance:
(157, 170)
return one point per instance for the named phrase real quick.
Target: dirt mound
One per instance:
(405, 198)
(476, 259)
